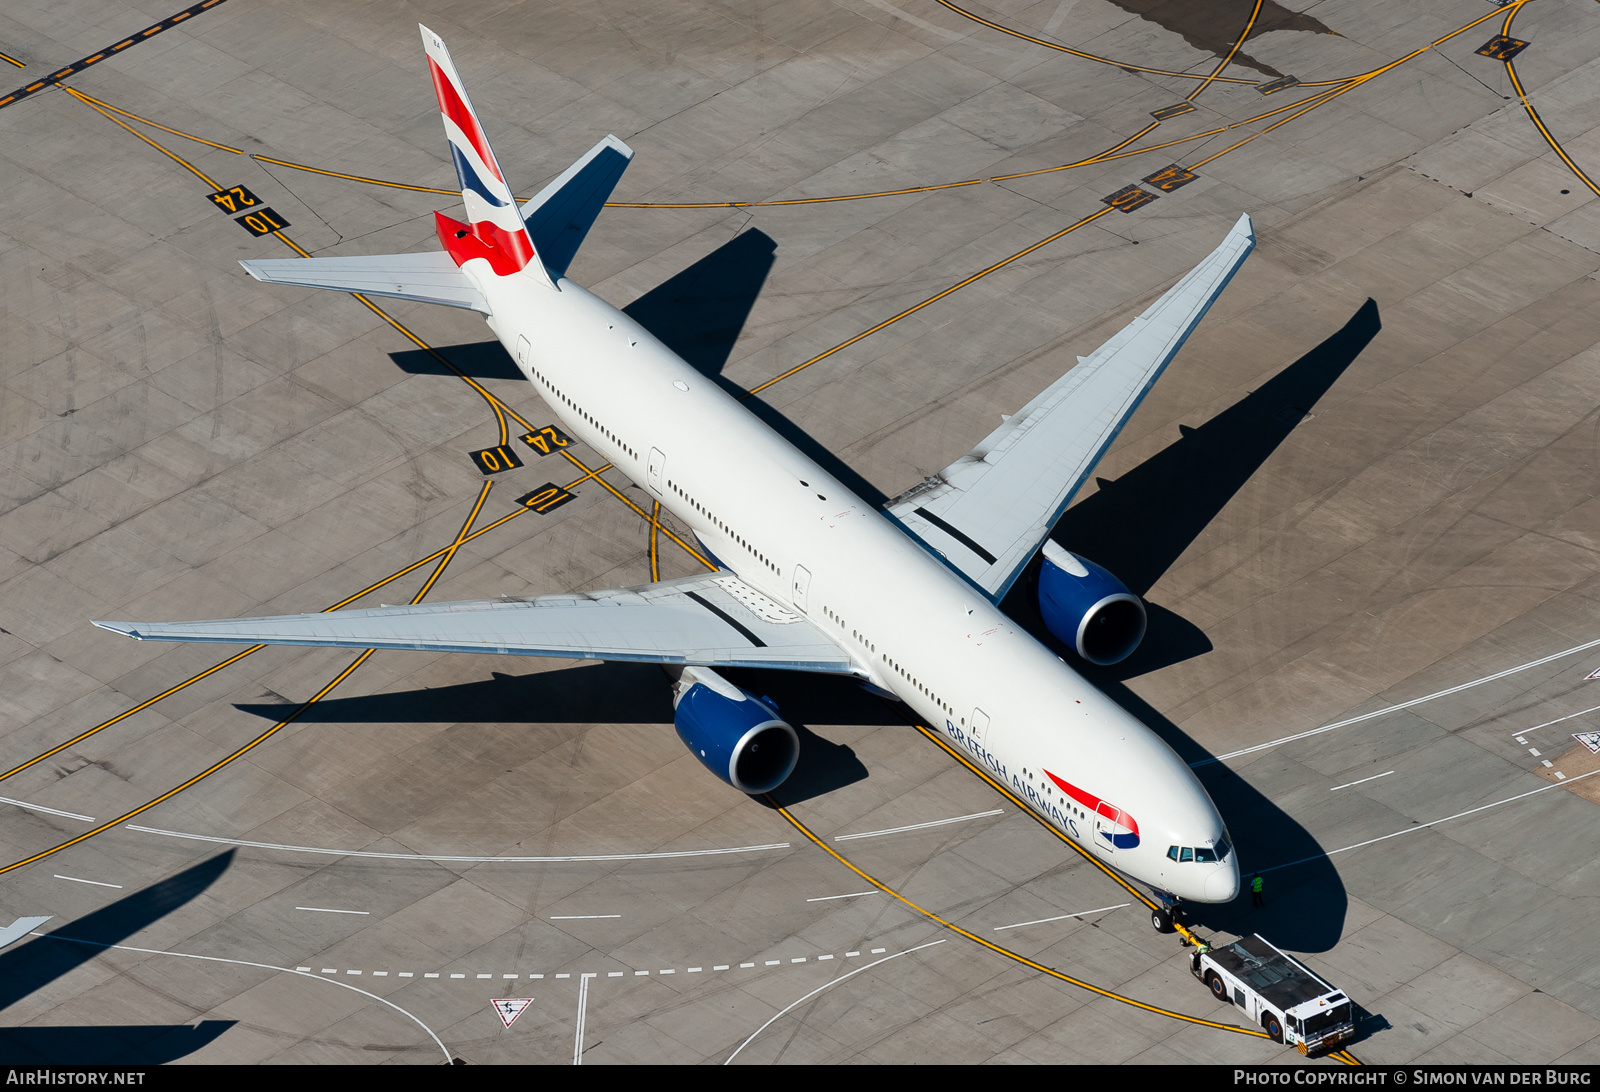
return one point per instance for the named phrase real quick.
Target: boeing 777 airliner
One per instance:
(809, 577)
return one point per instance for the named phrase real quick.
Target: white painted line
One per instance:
(458, 976)
(508, 976)
(1534, 751)
(1059, 917)
(48, 811)
(819, 989)
(303, 969)
(667, 971)
(798, 959)
(563, 976)
(1560, 776)
(852, 895)
(326, 910)
(1425, 826)
(1363, 781)
(1558, 720)
(919, 826)
(820, 958)
(486, 976)
(720, 967)
(330, 970)
(1386, 710)
(614, 974)
(581, 917)
(352, 972)
(1522, 741)
(696, 970)
(97, 883)
(640, 974)
(583, 1015)
(849, 954)
(1547, 763)
(431, 974)
(774, 962)
(385, 974)
(266, 967)
(406, 974)
(536, 976)
(441, 857)
(879, 951)
(746, 965)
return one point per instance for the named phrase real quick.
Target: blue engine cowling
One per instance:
(738, 736)
(1088, 608)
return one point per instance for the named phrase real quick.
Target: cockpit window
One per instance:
(1201, 854)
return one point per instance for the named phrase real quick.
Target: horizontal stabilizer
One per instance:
(560, 215)
(713, 620)
(427, 277)
(987, 513)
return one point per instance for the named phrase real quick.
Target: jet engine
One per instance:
(1088, 608)
(736, 735)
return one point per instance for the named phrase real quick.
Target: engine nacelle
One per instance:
(738, 736)
(1088, 608)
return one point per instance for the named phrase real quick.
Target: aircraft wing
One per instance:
(713, 620)
(428, 277)
(990, 510)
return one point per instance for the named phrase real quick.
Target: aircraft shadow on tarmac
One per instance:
(34, 965)
(1138, 526)
(620, 693)
(699, 315)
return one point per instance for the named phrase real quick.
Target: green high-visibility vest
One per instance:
(1255, 885)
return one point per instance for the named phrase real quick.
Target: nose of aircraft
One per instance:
(1223, 884)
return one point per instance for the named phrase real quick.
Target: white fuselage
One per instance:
(787, 528)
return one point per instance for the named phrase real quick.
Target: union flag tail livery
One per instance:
(495, 230)
(810, 577)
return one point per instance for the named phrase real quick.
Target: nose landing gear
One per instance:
(1165, 915)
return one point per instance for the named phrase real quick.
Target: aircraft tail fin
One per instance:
(495, 230)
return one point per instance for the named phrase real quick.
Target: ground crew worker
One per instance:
(1255, 891)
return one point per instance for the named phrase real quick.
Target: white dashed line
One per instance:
(477, 976)
(852, 895)
(581, 917)
(118, 886)
(326, 910)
